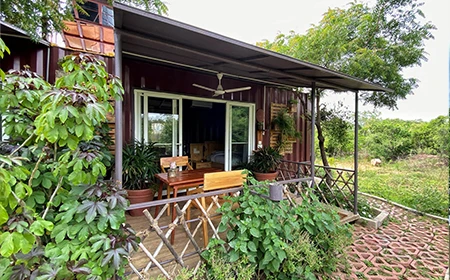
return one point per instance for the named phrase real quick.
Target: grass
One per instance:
(419, 182)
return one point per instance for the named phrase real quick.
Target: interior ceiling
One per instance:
(164, 39)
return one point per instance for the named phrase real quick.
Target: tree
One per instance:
(40, 18)
(337, 126)
(372, 43)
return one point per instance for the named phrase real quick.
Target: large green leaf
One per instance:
(3, 215)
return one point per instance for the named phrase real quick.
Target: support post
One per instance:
(355, 158)
(118, 109)
(313, 127)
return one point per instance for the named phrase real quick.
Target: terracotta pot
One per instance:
(265, 176)
(139, 196)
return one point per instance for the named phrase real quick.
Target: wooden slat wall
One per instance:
(301, 148)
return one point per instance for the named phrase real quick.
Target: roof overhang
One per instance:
(9, 30)
(166, 40)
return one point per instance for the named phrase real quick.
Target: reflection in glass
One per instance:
(240, 117)
(161, 123)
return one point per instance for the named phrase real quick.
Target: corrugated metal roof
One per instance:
(165, 39)
(7, 29)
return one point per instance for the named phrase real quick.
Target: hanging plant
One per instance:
(284, 122)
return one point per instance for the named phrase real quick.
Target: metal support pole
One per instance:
(313, 127)
(355, 159)
(118, 109)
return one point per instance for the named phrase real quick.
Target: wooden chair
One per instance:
(216, 181)
(182, 162)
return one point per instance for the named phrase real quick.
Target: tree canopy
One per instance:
(372, 43)
(40, 18)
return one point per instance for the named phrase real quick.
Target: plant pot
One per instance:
(265, 176)
(139, 196)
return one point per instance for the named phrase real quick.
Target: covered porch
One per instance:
(157, 57)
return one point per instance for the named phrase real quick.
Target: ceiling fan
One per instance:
(220, 90)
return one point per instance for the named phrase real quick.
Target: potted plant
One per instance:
(264, 163)
(284, 122)
(140, 164)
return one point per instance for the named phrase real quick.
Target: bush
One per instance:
(59, 219)
(389, 139)
(279, 240)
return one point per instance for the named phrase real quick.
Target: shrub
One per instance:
(390, 139)
(280, 240)
(59, 219)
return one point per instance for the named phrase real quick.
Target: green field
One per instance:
(419, 182)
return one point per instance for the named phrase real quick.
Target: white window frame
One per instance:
(228, 126)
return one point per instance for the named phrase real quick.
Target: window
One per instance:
(91, 9)
(157, 120)
(97, 13)
(107, 16)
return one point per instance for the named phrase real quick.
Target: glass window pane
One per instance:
(240, 120)
(161, 124)
(107, 16)
(240, 117)
(92, 12)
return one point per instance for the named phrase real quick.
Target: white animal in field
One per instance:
(376, 162)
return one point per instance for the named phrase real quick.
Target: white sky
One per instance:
(254, 20)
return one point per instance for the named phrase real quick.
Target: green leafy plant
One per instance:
(140, 164)
(3, 49)
(285, 123)
(265, 160)
(59, 219)
(293, 101)
(282, 241)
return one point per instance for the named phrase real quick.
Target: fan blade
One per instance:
(219, 92)
(203, 87)
(237, 89)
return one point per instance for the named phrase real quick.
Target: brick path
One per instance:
(408, 247)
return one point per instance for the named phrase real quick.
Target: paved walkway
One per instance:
(408, 247)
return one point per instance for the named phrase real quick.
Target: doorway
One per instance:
(223, 130)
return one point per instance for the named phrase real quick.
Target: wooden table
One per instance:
(184, 179)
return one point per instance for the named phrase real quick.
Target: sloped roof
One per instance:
(164, 39)
(7, 29)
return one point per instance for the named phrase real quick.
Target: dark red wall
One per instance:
(24, 52)
(138, 74)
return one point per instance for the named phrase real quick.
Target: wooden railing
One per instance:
(332, 185)
(158, 256)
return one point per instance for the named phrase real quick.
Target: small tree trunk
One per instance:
(321, 139)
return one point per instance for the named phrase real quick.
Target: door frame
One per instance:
(228, 130)
(179, 98)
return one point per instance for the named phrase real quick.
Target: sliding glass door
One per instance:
(157, 119)
(240, 134)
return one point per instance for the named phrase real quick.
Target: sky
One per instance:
(252, 21)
